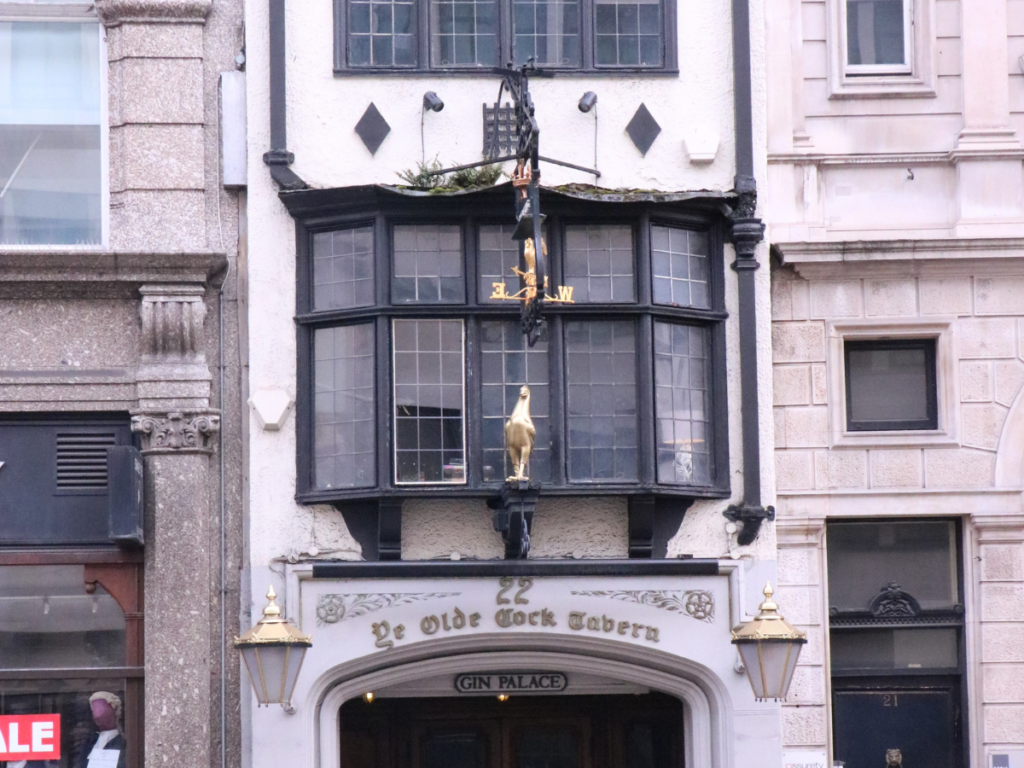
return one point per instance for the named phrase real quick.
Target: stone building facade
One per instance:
(120, 327)
(896, 225)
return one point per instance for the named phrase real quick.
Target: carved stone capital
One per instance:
(176, 432)
(114, 12)
(172, 323)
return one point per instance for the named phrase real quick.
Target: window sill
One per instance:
(881, 87)
(894, 438)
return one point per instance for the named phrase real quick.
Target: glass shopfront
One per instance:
(70, 665)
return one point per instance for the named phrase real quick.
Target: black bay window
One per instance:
(460, 35)
(409, 366)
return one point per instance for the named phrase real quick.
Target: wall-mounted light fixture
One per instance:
(769, 647)
(432, 102)
(273, 651)
(587, 101)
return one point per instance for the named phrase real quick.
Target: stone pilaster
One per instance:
(176, 448)
(801, 595)
(988, 152)
(157, 152)
(997, 625)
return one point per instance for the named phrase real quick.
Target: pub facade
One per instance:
(432, 275)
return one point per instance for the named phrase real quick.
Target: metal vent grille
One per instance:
(82, 459)
(500, 135)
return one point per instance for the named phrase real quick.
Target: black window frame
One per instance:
(588, 37)
(930, 347)
(342, 208)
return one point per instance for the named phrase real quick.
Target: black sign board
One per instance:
(511, 682)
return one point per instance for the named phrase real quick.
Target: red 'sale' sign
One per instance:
(29, 737)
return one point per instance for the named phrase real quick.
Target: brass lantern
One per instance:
(273, 651)
(769, 648)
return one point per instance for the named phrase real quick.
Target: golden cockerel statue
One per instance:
(519, 434)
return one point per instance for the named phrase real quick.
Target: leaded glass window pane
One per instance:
(464, 33)
(508, 363)
(599, 263)
(874, 32)
(429, 401)
(680, 267)
(343, 269)
(498, 254)
(602, 411)
(682, 403)
(546, 30)
(628, 33)
(345, 435)
(427, 266)
(381, 33)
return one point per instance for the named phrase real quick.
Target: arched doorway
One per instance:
(704, 712)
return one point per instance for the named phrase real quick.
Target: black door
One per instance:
(913, 722)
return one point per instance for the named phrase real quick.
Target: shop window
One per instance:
(51, 130)
(413, 390)
(460, 35)
(71, 649)
(896, 635)
(890, 385)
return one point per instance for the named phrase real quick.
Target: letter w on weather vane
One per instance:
(532, 269)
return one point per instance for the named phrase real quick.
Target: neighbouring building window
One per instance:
(51, 133)
(475, 34)
(409, 383)
(896, 620)
(890, 385)
(878, 36)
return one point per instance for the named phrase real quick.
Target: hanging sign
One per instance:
(511, 682)
(29, 737)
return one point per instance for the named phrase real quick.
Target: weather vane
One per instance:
(532, 269)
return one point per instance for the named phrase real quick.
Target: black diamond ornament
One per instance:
(373, 128)
(643, 129)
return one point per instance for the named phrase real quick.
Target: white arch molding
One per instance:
(707, 708)
(1010, 451)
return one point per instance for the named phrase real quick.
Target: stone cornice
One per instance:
(29, 272)
(113, 12)
(911, 502)
(904, 257)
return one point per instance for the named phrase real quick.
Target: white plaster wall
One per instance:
(323, 111)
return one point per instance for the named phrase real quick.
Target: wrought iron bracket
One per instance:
(751, 518)
(513, 517)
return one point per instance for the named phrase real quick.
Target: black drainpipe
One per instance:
(747, 232)
(279, 158)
